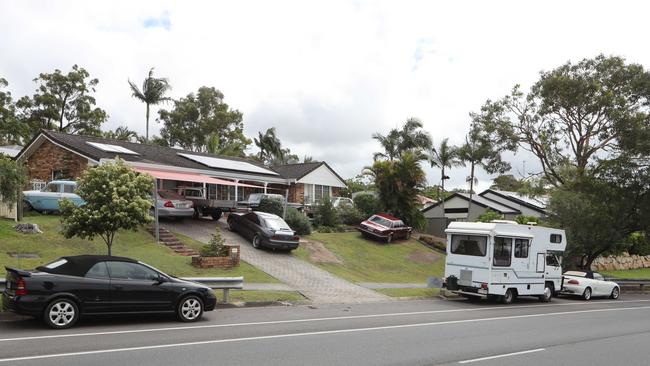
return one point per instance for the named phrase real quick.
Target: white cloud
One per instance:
(326, 75)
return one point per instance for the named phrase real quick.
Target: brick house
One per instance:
(310, 182)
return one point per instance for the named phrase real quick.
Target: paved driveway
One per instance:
(316, 284)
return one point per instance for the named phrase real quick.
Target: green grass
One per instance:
(139, 245)
(370, 261)
(634, 274)
(257, 296)
(409, 292)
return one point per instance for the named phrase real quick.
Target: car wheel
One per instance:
(231, 226)
(616, 292)
(257, 242)
(509, 297)
(190, 309)
(61, 314)
(587, 294)
(389, 238)
(216, 215)
(548, 293)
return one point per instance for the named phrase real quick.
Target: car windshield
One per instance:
(255, 197)
(170, 195)
(276, 224)
(380, 220)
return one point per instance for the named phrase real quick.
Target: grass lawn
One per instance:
(633, 274)
(370, 261)
(138, 245)
(409, 292)
(256, 296)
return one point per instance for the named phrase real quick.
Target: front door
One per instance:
(553, 270)
(135, 287)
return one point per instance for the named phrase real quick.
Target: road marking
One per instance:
(166, 329)
(503, 355)
(291, 335)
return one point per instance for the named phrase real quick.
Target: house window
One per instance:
(321, 192)
(225, 193)
(60, 174)
(309, 193)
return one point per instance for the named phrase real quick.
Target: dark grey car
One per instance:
(264, 230)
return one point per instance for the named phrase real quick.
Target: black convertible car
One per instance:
(264, 230)
(69, 287)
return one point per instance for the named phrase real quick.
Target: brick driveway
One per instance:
(316, 284)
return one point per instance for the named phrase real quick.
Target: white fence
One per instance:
(8, 211)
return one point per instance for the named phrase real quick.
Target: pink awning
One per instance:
(191, 177)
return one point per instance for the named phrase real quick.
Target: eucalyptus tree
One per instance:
(152, 93)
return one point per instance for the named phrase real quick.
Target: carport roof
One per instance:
(190, 177)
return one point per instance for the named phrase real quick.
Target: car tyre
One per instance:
(257, 242)
(216, 215)
(231, 226)
(509, 297)
(190, 309)
(616, 293)
(587, 294)
(61, 313)
(548, 293)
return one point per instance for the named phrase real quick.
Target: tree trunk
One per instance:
(146, 139)
(471, 191)
(440, 196)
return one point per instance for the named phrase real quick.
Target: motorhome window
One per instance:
(502, 251)
(556, 238)
(469, 245)
(551, 260)
(521, 248)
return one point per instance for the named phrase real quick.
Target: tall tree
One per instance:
(11, 130)
(13, 177)
(576, 114)
(269, 145)
(63, 102)
(442, 157)
(121, 133)
(152, 93)
(410, 138)
(198, 117)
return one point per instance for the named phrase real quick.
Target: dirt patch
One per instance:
(319, 254)
(422, 257)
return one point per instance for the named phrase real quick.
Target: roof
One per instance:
(299, 170)
(78, 265)
(535, 203)
(145, 153)
(479, 200)
(10, 150)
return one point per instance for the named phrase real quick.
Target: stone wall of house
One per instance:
(624, 261)
(49, 158)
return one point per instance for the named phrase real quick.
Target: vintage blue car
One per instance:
(47, 199)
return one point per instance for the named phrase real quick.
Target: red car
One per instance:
(384, 227)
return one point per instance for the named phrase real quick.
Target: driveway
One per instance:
(316, 284)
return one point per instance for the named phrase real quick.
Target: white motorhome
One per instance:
(503, 260)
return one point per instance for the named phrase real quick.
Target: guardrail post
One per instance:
(226, 295)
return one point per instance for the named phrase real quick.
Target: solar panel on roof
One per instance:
(111, 148)
(218, 163)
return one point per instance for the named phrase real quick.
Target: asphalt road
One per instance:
(433, 332)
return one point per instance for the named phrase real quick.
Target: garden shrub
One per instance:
(488, 216)
(325, 214)
(272, 206)
(523, 219)
(368, 204)
(435, 242)
(350, 215)
(297, 221)
(640, 245)
(216, 247)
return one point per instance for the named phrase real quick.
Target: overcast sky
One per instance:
(326, 74)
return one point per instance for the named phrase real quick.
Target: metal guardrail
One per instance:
(631, 283)
(217, 283)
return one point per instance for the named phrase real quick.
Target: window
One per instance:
(469, 245)
(551, 260)
(60, 174)
(502, 251)
(131, 271)
(253, 218)
(556, 238)
(52, 188)
(225, 193)
(321, 192)
(99, 270)
(69, 188)
(380, 220)
(521, 248)
(276, 224)
(308, 195)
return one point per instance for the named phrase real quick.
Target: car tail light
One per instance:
(276, 237)
(21, 289)
(169, 204)
(484, 286)
(573, 282)
(296, 238)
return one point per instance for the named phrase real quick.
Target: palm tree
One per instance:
(269, 145)
(121, 133)
(410, 138)
(443, 156)
(152, 93)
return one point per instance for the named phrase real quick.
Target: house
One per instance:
(456, 208)
(310, 182)
(55, 155)
(529, 206)
(425, 201)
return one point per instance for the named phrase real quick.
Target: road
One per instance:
(431, 332)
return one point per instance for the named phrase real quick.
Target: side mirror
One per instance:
(161, 279)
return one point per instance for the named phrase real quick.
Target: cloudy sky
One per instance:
(326, 74)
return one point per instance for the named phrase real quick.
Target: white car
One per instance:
(342, 201)
(588, 284)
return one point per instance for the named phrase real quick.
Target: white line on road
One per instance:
(216, 341)
(166, 329)
(503, 355)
